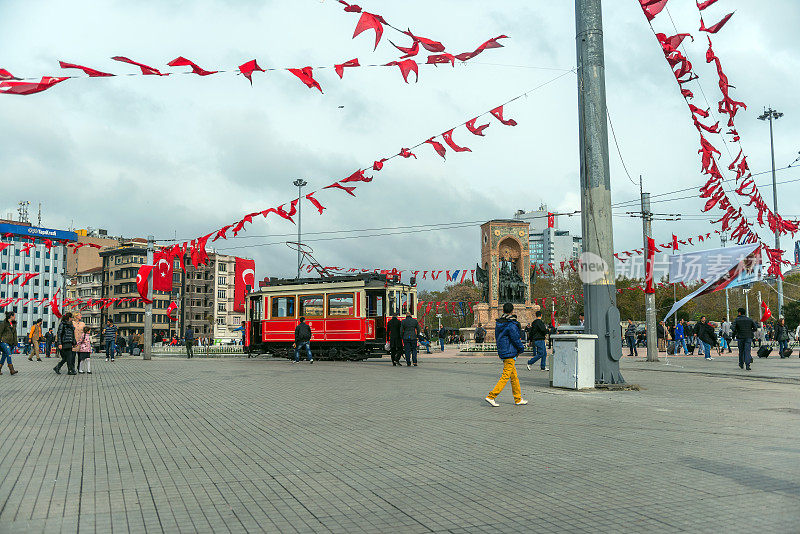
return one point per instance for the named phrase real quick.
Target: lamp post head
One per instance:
(770, 114)
(300, 183)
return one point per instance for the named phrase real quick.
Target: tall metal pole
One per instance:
(597, 266)
(300, 183)
(771, 115)
(724, 240)
(148, 308)
(649, 298)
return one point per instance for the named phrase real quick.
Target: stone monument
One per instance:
(505, 273)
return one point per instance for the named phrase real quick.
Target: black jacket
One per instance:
(302, 333)
(538, 330)
(8, 334)
(706, 333)
(480, 334)
(781, 333)
(66, 335)
(660, 332)
(409, 328)
(743, 327)
(393, 329)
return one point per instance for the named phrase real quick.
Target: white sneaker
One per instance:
(709, 358)
(523, 402)
(492, 402)
(528, 366)
(106, 359)
(546, 369)
(80, 372)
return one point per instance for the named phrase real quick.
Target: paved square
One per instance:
(238, 445)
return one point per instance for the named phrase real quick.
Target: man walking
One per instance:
(661, 332)
(509, 346)
(409, 328)
(302, 341)
(630, 338)
(442, 334)
(725, 331)
(188, 338)
(705, 333)
(395, 339)
(480, 334)
(680, 338)
(49, 339)
(743, 329)
(35, 336)
(109, 339)
(538, 333)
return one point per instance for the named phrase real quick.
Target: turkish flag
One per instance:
(674, 242)
(551, 220)
(767, 313)
(171, 308)
(54, 304)
(142, 281)
(651, 259)
(162, 271)
(245, 273)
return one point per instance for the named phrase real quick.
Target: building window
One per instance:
(221, 293)
(223, 267)
(221, 280)
(221, 321)
(221, 307)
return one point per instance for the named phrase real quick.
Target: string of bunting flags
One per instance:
(48, 243)
(712, 190)
(13, 277)
(10, 84)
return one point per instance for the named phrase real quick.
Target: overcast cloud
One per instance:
(183, 155)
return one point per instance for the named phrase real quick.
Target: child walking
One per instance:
(85, 351)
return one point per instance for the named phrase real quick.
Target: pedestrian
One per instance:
(109, 339)
(538, 333)
(782, 336)
(26, 345)
(725, 334)
(442, 333)
(188, 337)
(680, 338)
(79, 325)
(49, 339)
(8, 340)
(65, 337)
(302, 340)
(85, 351)
(661, 332)
(581, 320)
(630, 338)
(480, 334)
(35, 336)
(119, 344)
(409, 329)
(706, 336)
(425, 341)
(395, 339)
(743, 330)
(509, 346)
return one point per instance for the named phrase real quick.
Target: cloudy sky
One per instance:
(180, 156)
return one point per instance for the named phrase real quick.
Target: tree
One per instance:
(464, 292)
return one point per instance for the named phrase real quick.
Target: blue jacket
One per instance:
(507, 337)
(679, 331)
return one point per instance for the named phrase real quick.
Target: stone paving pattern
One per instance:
(254, 445)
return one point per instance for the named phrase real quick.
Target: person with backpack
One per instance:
(480, 334)
(35, 336)
(509, 346)
(706, 336)
(65, 337)
(744, 328)
(8, 340)
(302, 340)
(409, 329)
(538, 333)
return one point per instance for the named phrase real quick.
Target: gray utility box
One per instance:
(572, 364)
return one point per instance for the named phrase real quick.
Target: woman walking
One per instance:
(782, 336)
(65, 337)
(8, 340)
(85, 352)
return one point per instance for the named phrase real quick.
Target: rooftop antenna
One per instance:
(39, 223)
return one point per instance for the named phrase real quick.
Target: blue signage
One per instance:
(35, 231)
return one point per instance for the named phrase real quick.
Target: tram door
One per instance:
(376, 309)
(256, 315)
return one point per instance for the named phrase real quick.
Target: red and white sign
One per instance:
(245, 273)
(143, 281)
(162, 272)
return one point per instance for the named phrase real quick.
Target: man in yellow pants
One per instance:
(507, 336)
(35, 336)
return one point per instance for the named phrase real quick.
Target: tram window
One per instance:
(411, 306)
(255, 309)
(394, 302)
(404, 302)
(282, 307)
(341, 305)
(375, 305)
(311, 306)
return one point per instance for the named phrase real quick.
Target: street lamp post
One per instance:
(299, 183)
(724, 239)
(772, 115)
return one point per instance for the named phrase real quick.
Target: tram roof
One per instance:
(361, 279)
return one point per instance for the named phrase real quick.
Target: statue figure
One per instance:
(511, 286)
(483, 279)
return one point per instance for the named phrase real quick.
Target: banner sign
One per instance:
(706, 264)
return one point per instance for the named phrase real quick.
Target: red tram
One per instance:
(347, 314)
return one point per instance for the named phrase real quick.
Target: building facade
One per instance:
(204, 296)
(87, 285)
(50, 263)
(549, 244)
